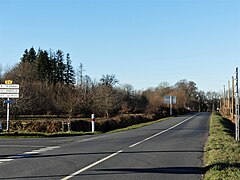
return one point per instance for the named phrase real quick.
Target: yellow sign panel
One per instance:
(8, 82)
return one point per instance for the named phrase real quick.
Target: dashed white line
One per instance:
(140, 142)
(91, 165)
(5, 160)
(92, 138)
(31, 152)
(27, 154)
(42, 150)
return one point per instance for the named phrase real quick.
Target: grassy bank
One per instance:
(222, 152)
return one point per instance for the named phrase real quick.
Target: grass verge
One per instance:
(222, 152)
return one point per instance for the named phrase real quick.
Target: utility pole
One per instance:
(224, 100)
(224, 96)
(233, 95)
(228, 109)
(237, 108)
(171, 105)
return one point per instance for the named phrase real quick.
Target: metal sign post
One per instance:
(8, 110)
(171, 105)
(170, 100)
(9, 90)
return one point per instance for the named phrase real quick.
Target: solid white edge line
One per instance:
(116, 153)
(91, 165)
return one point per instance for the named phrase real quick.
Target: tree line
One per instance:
(48, 87)
(50, 67)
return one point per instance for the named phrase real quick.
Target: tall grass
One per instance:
(222, 152)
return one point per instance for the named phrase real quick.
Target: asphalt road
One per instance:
(172, 149)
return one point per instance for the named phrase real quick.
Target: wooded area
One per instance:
(49, 85)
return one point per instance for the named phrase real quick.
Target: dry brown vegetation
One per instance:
(47, 88)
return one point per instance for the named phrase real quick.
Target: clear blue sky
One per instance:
(142, 42)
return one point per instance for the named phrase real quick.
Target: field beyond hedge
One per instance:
(222, 152)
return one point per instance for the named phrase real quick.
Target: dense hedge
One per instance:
(102, 124)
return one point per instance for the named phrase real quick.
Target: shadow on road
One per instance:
(21, 156)
(223, 166)
(160, 170)
(164, 170)
(36, 177)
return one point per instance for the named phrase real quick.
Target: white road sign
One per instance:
(9, 91)
(9, 95)
(9, 86)
(167, 99)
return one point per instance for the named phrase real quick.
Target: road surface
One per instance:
(171, 149)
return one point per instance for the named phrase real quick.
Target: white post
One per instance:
(8, 107)
(170, 105)
(93, 122)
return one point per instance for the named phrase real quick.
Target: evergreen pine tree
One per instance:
(43, 65)
(52, 68)
(69, 72)
(32, 55)
(29, 56)
(60, 66)
(24, 57)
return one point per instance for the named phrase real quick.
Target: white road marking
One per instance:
(118, 152)
(28, 154)
(5, 160)
(42, 150)
(166, 130)
(31, 152)
(91, 138)
(17, 156)
(91, 165)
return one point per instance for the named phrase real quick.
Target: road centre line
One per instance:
(91, 165)
(120, 151)
(140, 142)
